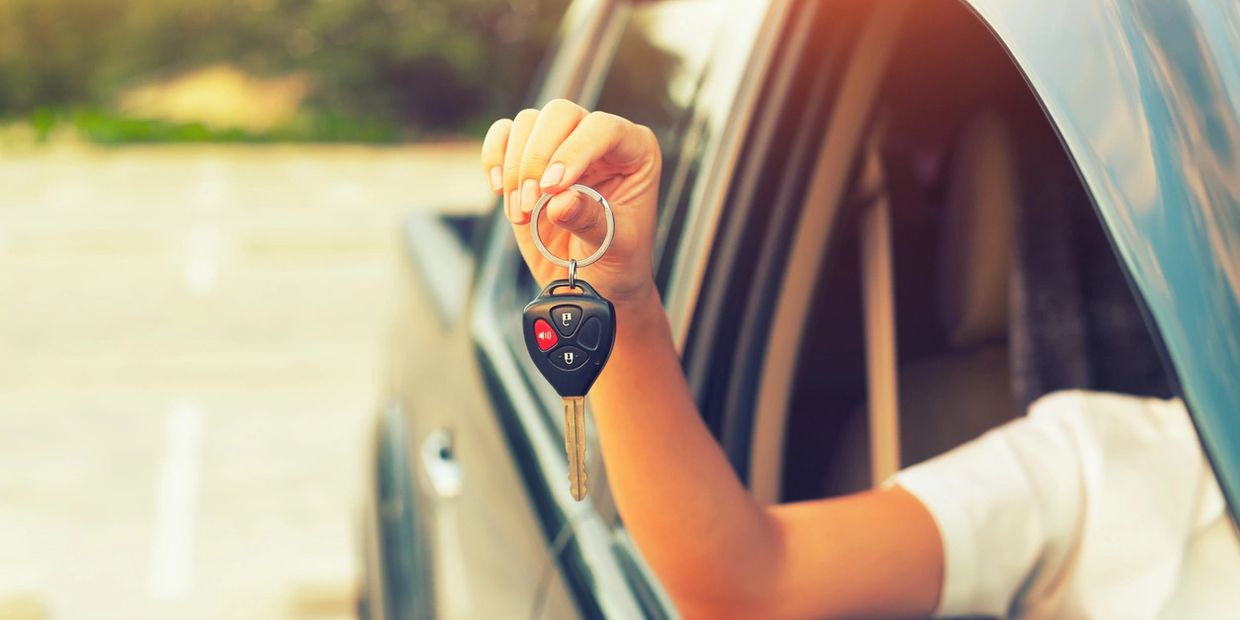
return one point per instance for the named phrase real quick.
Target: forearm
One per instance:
(717, 551)
(708, 541)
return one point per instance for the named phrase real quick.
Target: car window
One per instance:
(674, 71)
(560, 74)
(675, 67)
(665, 71)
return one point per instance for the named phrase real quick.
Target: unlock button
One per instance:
(565, 319)
(569, 357)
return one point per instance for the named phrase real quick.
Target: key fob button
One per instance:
(591, 333)
(544, 335)
(569, 357)
(565, 319)
(569, 337)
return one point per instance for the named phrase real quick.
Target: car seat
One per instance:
(950, 398)
(964, 387)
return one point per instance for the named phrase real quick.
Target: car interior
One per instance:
(888, 214)
(964, 273)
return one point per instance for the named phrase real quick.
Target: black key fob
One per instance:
(569, 336)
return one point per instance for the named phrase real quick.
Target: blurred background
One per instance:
(199, 209)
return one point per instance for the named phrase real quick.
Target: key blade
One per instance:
(575, 444)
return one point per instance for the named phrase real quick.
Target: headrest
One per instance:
(977, 236)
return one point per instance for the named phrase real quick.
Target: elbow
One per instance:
(714, 607)
(743, 581)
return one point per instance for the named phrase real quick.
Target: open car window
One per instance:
(674, 67)
(1000, 285)
(665, 69)
(667, 72)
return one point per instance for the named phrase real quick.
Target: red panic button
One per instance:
(544, 335)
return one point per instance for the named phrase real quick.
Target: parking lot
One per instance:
(191, 347)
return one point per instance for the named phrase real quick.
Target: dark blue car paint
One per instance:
(1146, 97)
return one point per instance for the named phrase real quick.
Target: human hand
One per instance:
(546, 151)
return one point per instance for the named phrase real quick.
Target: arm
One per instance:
(718, 552)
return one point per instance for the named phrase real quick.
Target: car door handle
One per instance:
(440, 464)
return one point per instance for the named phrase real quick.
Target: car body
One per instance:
(774, 117)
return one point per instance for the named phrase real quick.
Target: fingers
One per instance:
(579, 215)
(621, 143)
(522, 125)
(567, 212)
(493, 147)
(550, 149)
(554, 123)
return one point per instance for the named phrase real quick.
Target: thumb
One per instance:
(579, 215)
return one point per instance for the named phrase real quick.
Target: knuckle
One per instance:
(512, 155)
(605, 120)
(651, 140)
(493, 144)
(617, 126)
(532, 163)
(500, 125)
(561, 105)
(526, 116)
(510, 173)
(585, 219)
(647, 133)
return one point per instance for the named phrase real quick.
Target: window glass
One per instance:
(560, 68)
(674, 66)
(675, 69)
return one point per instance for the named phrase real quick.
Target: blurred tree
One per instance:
(431, 66)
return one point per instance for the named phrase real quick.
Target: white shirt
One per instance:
(1092, 506)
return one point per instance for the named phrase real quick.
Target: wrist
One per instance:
(641, 300)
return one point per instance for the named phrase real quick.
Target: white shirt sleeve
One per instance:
(1006, 504)
(1082, 509)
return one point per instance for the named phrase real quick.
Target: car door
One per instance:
(466, 543)
(690, 70)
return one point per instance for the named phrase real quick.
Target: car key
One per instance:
(569, 338)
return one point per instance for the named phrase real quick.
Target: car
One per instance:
(884, 227)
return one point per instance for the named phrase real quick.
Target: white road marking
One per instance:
(170, 567)
(202, 260)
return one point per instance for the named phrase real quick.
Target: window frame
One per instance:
(600, 565)
(727, 354)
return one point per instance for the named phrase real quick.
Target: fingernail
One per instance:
(552, 175)
(497, 179)
(529, 194)
(514, 206)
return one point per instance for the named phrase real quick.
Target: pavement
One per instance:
(190, 353)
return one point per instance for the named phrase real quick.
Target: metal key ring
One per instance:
(602, 248)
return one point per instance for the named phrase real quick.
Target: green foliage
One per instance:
(381, 69)
(105, 127)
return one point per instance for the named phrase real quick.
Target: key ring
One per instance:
(589, 260)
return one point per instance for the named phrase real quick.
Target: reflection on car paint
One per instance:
(1146, 96)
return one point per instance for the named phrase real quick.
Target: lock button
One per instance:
(565, 319)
